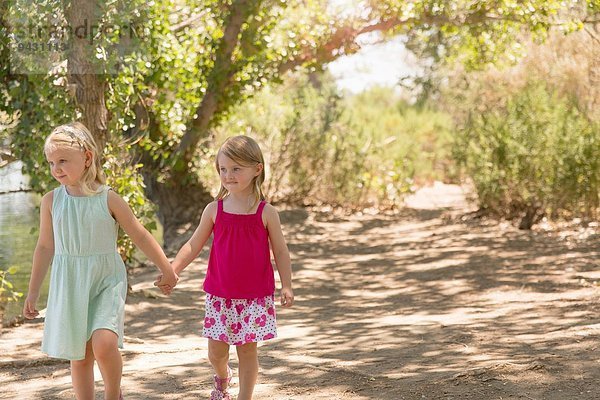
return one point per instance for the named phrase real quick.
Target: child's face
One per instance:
(237, 178)
(67, 165)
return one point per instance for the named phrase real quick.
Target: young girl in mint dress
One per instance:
(78, 233)
(239, 284)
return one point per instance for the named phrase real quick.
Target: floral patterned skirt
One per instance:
(239, 321)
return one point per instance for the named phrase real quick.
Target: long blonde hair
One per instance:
(245, 151)
(76, 135)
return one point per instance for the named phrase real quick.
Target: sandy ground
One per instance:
(429, 303)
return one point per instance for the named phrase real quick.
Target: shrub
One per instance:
(534, 154)
(323, 147)
(7, 292)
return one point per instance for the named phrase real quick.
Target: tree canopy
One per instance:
(187, 63)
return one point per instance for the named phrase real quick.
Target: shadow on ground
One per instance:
(421, 305)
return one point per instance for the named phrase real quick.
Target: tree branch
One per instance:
(218, 78)
(184, 24)
(592, 34)
(345, 37)
(6, 157)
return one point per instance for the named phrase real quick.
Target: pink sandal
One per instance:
(221, 384)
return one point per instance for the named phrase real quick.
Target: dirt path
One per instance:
(422, 305)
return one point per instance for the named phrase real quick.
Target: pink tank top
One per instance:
(239, 266)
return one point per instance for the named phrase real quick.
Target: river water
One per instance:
(19, 221)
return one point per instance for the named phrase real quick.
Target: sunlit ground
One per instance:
(422, 305)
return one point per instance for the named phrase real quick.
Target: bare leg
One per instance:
(106, 351)
(248, 356)
(218, 355)
(82, 375)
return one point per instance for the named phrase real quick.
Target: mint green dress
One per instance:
(88, 283)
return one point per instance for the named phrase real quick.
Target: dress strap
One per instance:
(260, 208)
(59, 192)
(219, 207)
(104, 196)
(58, 197)
(105, 190)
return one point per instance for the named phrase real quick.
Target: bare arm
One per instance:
(42, 256)
(281, 255)
(141, 237)
(192, 248)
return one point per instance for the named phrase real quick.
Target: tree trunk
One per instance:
(218, 80)
(180, 197)
(180, 204)
(85, 80)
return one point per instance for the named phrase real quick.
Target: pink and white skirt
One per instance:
(239, 321)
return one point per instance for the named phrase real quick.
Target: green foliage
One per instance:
(478, 33)
(181, 61)
(354, 151)
(35, 123)
(41, 102)
(7, 294)
(185, 65)
(535, 151)
(417, 135)
(177, 67)
(125, 179)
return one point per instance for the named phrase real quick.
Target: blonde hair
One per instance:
(76, 135)
(245, 151)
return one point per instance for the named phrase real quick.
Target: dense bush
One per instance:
(532, 154)
(528, 135)
(325, 147)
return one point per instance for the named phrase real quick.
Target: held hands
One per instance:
(287, 297)
(166, 283)
(29, 310)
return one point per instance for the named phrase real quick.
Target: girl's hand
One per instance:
(29, 310)
(287, 297)
(166, 286)
(158, 279)
(170, 280)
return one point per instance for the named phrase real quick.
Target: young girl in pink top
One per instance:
(239, 284)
